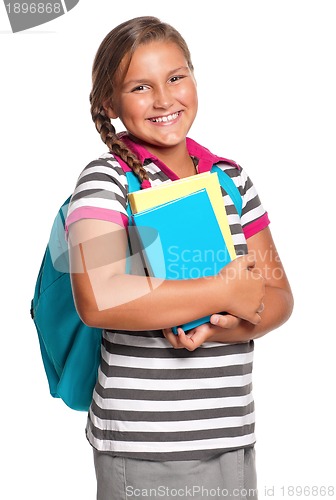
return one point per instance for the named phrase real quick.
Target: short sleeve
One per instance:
(254, 217)
(100, 193)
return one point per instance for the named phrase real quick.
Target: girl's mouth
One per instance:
(165, 119)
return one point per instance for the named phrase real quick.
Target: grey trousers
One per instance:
(230, 475)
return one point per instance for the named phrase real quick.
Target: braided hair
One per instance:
(110, 138)
(118, 46)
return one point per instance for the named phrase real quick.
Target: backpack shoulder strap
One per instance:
(133, 182)
(229, 186)
(225, 181)
(133, 185)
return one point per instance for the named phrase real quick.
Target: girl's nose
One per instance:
(163, 98)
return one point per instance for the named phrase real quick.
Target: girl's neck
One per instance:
(177, 159)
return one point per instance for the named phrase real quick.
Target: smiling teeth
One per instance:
(168, 118)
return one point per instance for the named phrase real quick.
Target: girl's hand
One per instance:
(197, 336)
(190, 340)
(244, 288)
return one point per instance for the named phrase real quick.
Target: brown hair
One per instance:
(119, 44)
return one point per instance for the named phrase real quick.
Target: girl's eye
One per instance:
(140, 88)
(174, 79)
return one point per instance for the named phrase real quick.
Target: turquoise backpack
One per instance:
(71, 350)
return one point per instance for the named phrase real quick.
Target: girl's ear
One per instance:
(109, 110)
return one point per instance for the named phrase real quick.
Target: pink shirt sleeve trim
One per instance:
(96, 213)
(256, 226)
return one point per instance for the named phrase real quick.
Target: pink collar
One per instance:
(206, 159)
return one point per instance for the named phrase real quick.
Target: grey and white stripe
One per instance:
(155, 402)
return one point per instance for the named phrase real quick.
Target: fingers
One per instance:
(186, 341)
(172, 338)
(247, 259)
(256, 275)
(251, 262)
(261, 308)
(183, 340)
(257, 317)
(225, 321)
(255, 320)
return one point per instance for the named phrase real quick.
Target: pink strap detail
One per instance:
(145, 184)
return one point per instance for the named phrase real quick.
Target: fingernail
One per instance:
(214, 319)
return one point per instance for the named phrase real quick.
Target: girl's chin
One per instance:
(165, 144)
(165, 139)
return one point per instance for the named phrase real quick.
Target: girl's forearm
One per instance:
(278, 306)
(145, 304)
(105, 299)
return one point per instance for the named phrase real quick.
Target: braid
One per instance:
(109, 137)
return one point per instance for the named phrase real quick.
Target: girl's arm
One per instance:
(277, 302)
(106, 297)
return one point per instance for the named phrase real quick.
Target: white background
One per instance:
(266, 81)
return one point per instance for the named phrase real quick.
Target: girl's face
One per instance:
(157, 99)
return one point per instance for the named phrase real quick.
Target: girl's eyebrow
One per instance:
(145, 80)
(178, 69)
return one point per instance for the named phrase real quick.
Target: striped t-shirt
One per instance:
(152, 401)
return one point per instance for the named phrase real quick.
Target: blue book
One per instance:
(181, 239)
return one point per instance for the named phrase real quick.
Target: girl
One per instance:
(166, 410)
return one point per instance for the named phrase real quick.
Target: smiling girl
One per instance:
(170, 412)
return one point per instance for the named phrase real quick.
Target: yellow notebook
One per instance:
(168, 191)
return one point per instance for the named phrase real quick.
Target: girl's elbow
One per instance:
(88, 317)
(94, 317)
(290, 304)
(88, 313)
(287, 306)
